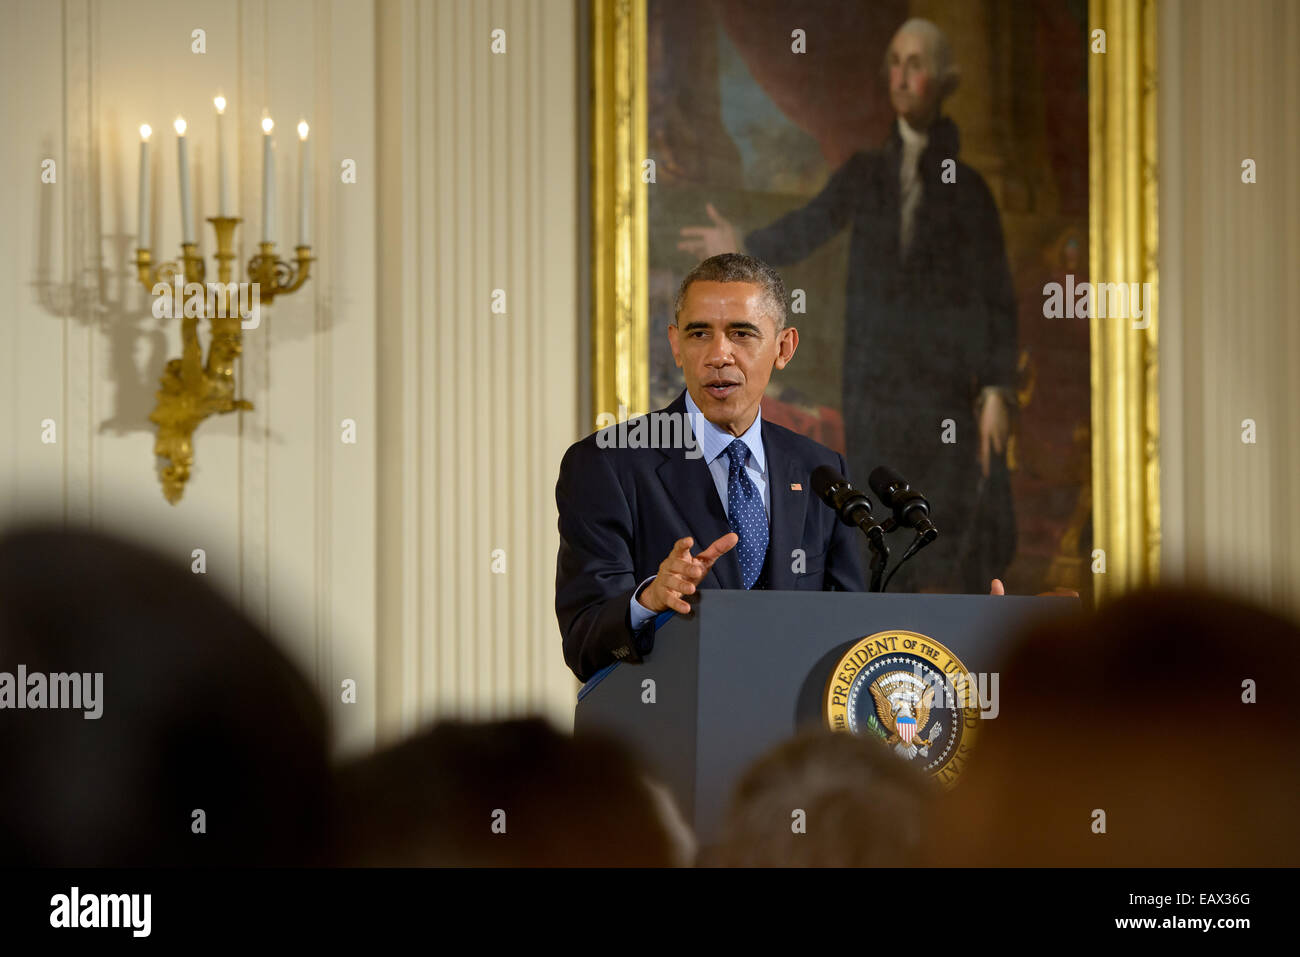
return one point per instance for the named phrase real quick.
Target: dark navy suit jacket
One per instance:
(622, 509)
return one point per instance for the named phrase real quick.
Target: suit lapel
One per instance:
(789, 507)
(690, 487)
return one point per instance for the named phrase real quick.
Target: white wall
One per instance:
(284, 511)
(368, 561)
(479, 170)
(1230, 338)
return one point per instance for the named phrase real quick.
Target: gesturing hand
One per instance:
(681, 572)
(706, 241)
(994, 425)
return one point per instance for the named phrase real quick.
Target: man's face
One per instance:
(727, 345)
(913, 87)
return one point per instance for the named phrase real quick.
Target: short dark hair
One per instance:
(737, 267)
(201, 710)
(427, 801)
(866, 807)
(1153, 726)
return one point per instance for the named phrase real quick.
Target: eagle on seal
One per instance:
(905, 707)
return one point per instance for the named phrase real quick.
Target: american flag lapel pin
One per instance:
(796, 486)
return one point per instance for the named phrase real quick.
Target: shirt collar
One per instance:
(714, 440)
(912, 139)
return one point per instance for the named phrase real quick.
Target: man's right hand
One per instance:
(707, 241)
(681, 572)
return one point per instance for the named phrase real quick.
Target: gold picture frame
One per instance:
(1122, 243)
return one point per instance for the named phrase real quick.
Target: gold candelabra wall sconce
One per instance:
(191, 389)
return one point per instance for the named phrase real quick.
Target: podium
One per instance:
(748, 669)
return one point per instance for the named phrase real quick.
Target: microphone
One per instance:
(910, 508)
(853, 507)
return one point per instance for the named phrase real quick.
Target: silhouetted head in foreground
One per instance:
(825, 800)
(197, 712)
(1160, 731)
(512, 793)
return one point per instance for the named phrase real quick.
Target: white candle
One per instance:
(268, 180)
(187, 213)
(142, 241)
(223, 177)
(304, 189)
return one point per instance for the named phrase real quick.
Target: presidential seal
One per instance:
(913, 694)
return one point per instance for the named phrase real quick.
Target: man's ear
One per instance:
(786, 345)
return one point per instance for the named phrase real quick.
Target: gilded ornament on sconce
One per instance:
(190, 389)
(275, 276)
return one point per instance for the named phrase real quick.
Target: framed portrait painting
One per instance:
(959, 197)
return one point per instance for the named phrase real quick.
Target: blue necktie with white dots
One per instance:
(746, 514)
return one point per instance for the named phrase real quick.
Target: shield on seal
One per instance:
(906, 725)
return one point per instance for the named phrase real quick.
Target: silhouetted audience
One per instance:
(1159, 731)
(1136, 719)
(513, 793)
(199, 712)
(201, 744)
(823, 799)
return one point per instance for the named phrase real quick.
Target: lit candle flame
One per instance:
(302, 129)
(145, 131)
(220, 103)
(180, 126)
(267, 124)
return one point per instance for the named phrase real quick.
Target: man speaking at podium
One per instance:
(633, 507)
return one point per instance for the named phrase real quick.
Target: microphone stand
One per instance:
(853, 508)
(922, 539)
(879, 550)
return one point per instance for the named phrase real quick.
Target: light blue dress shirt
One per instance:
(713, 442)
